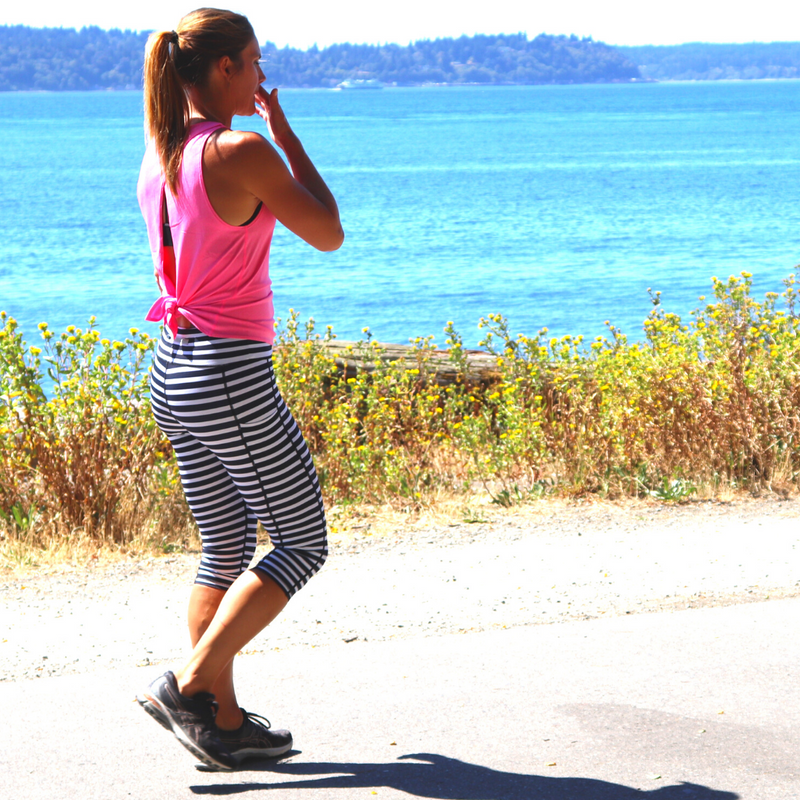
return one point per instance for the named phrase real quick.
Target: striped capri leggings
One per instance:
(241, 457)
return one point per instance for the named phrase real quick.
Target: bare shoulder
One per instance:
(242, 148)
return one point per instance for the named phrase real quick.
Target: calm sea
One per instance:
(556, 206)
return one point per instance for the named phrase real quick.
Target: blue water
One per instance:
(556, 206)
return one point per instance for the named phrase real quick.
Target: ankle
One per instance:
(229, 719)
(188, 683)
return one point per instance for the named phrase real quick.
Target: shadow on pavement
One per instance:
(443, 778)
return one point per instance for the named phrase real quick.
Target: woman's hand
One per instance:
(269, 109)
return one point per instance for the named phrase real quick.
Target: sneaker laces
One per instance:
(257, 719)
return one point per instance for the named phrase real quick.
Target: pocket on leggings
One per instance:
(253, 402)
(257, 421)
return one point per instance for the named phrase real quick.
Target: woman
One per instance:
(210, 197)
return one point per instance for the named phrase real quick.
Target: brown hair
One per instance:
(175, 60)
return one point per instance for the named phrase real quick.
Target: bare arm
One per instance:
(300, 199)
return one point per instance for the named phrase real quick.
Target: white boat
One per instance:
(360, 83)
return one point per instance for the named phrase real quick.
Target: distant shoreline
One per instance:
(93, 59)
(114, 90)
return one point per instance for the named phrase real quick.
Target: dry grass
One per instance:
(704, 408)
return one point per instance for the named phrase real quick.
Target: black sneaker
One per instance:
(191, 719)
(152, 709)
(254, 739)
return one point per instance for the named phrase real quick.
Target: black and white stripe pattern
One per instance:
(241, 457)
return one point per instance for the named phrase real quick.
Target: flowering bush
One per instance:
(78, 441)
(711, 401)
(706, 402)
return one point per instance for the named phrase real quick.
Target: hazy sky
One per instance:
(302, 24)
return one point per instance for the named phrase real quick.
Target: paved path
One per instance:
(561, 562)
(701, 704)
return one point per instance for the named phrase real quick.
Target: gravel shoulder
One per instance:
(550, 562)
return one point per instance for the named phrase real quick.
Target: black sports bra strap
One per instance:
(255, 214)
(166, 231)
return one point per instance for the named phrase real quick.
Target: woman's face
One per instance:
(247, 79)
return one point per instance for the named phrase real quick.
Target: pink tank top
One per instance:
(222, 283)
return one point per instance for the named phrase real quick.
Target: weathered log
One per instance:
(435, 365)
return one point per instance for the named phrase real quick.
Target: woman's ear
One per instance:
(227, 67)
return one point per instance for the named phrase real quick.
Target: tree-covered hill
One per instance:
(708, 62)
(62, 58)
(468, 59)
(91, 58)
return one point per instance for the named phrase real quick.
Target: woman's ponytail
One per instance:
(175, 60)
(166, 107)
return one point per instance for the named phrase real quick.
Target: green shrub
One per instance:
(708, 402)
(79, 444)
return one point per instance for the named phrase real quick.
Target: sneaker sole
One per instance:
(154, 712)
(160, 713)
(255, 752)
